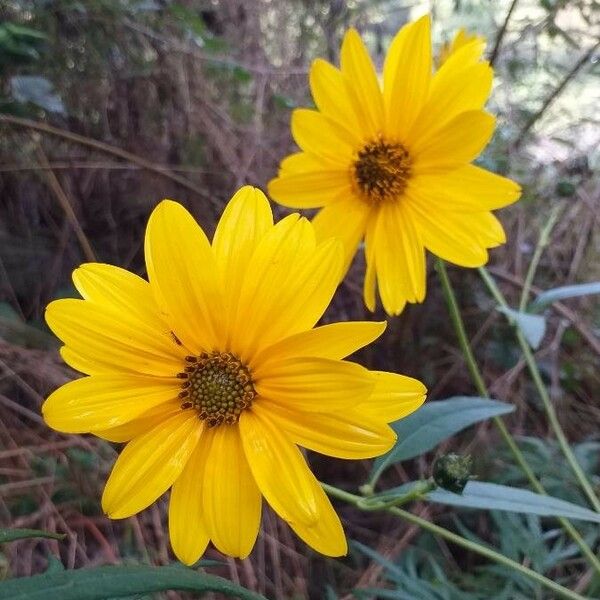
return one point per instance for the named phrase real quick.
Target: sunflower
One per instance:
(214, 374)
(390, 163)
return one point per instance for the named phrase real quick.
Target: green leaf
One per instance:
(532, 326)
(491, 496)
(433, 423)
(10, 535)
(101, 583)
(561, 293)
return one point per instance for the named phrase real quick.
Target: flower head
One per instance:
(214, 374)
(390, 164)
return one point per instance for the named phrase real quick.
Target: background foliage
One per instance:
(110, 105)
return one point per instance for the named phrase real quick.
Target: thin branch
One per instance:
(103, 147)
(501, 32)
(554, 95)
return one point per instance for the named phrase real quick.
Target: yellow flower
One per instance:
(461, 39)
(214, 373)
(391, 165)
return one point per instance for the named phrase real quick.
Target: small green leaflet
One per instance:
(433, 423)
(101, 583)
(532, 326)
(10, 535)
(564, 292)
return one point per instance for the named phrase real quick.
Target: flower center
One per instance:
(218, 386)
(381, 170)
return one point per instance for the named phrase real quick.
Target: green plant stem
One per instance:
(543, 241)
(560, 590)
(543, 392)
(374, 503)
(498, 421)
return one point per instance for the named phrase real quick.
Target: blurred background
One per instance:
(107, 106)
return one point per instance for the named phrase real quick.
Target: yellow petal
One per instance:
(183, 272)
(140, 425)
(300, 162)
(361, 84)
(314, 384)
(150, 464)
(465, 51)
(449, 235)
(231, 499)
(289, 284)
(394, 397)
(187, 527)
(454, 89)
(97, 333)
(326, 536)
(346, 220)
(121, 290)
(329, 92)
(407, 76)
(400, 259)
(370, 282)
(317, 134)
(245, 220)
(334, 341)
(279, 469)
(94, 403)
(459, 141)
(349, 434)
(466, 189)
(310, 189)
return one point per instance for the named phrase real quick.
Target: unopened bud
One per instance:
(452, 472)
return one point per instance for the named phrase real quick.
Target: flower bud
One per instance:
(452, 472)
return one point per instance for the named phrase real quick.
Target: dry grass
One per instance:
(194, 124)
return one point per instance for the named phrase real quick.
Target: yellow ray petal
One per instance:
(231, 499)
(187, 527)
(314, 384)
(183, 272)
(487, 229)
(361, 84)
(407, 76)
(448, 235)
(96, 333)
(150, 464)
(466, 189)
(319, 135)
(288, 286)
(245, 220)
(459, 141)
(140, 425)
(400, 259)
(346, 220)
(121, 290)
(103, 401)
(310, 189)
(326, 535)
(453, 90)
(349, 434)
(370, 282)
(334, 341)
(279, 469)
(465, 51)
(329, 92)
(394, 397)
(300, 162)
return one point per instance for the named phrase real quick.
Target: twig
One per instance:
(103, 147)
(554, 95)
(501, 33)
(65, 204)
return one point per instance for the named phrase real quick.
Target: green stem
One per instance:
(498, 421)
(562, 591)
(417, 493)
(543, 392)
(537, 255)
